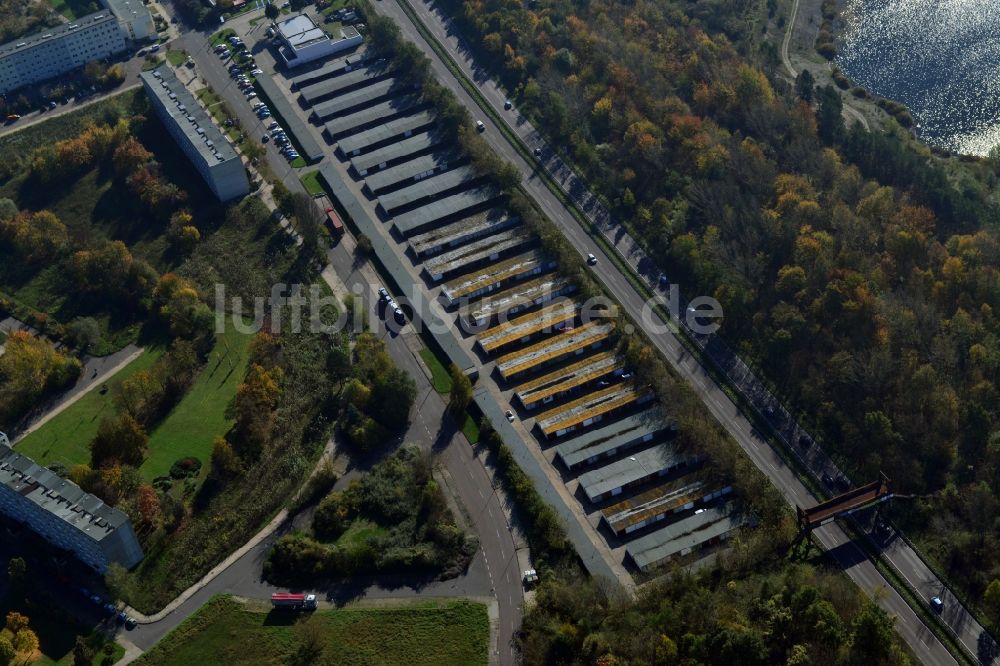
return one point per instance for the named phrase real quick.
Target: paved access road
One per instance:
(857, 566)
(495, 572)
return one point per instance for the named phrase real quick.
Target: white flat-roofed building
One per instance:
(304, 41)
(134, 17)
(64, 515)
(195, 132)
(58, 50)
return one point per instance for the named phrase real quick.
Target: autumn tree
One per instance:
(256, 399)
(111, 273)
(31, 368)
(179, 304)
(7, 651)
(225, 463)
(461, 391)
(26, 641)
(33, 236)
(16, 621)
(119, 439)
(129, 156)
(147, 502)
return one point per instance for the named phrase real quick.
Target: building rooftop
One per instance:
(589, 409)
(637, 467)
(569, 378)
(126, 8)
(379, 112)
(521, 296)
(300, 31)
(60, 497)
(683, 536)
(433, 185)
(462, 230)
(554, 317)
(329, 68)
(551, 349)
(497, 276)
(488, 248)
(662, 500)
(360, 78)
(442, 209)
(402, 126)
(421, 166)
(49, 34)
(357, 98)
(189, 115)
(614, 437)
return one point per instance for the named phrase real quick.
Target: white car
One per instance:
(510, 416)
(256, 71)
(251, 95)
(480, 127)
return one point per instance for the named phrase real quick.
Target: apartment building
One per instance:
(64, 515)
(133, 17)
(190, 125)
(58, 50)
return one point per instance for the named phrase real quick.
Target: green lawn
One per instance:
(436, 633)
(201, 414)
(66, 438)
(440, 377)
(298, 162)
(176, 58)
(359, 531)
(311, 182)
(471, 430)
(74, 9)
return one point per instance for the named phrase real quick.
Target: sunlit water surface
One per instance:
(939, 57)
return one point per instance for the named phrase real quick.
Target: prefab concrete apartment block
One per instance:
(64, 515)
(195, 132)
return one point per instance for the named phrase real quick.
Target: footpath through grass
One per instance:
(66, 438)
(225, 631)
(201, 414)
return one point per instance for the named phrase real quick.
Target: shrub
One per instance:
(185, 468)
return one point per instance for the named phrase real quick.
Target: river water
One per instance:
(939, 57)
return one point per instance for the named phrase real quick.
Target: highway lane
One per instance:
(856, 565)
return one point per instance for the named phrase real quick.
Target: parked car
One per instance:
(109, 609)
(591, 259)
(383, 294)
(507, 104)
(154, 48)
(510, 415)
(251, 94)
(480, 126)
(936, 604)
(121, 617)
(397, 314)
(538, 152)
(130, 622)
(265, 138)
(273, 125)
(256, 71)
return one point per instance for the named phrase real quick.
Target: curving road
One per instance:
(852, 558)
(494, 572)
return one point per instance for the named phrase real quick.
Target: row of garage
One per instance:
(564, 368)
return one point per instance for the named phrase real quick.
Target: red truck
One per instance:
(336, 225)
(293, 601)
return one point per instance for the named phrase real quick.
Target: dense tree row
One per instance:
(31, 369)
(858, 273)
(797, 617)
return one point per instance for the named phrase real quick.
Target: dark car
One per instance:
(122, 617)
(827, 480)
(538, 152)
(936, 604)
(130, 622)
(109, 608)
